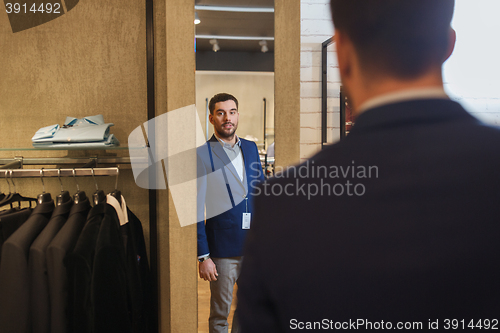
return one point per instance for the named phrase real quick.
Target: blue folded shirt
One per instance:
(86, 132)
(45, 132)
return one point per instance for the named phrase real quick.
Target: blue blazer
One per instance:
(223, 198)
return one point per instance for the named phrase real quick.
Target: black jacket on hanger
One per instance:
(97, 276)
(62, 244)
(138, 275)
(10, 221)
(79, 265)
(109, 288)
(14, 276)
(39, 284)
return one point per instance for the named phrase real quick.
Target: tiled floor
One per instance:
(204, 306)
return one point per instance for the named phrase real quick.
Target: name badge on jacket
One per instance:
(246, 220)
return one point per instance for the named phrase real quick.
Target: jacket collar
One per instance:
(238, 141)
(80, 207)
(403, 96)
(63, 208)
(411, 113)
(98, 209)
(44, 207)
(103, 209)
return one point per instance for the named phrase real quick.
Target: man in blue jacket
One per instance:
(228, 169)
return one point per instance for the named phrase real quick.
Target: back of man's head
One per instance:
(402, 38)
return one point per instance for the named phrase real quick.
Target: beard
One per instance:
(226, 133)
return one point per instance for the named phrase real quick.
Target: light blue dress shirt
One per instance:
(87, 132)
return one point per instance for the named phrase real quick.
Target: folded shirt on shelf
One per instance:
(110, 141)
(87, 132)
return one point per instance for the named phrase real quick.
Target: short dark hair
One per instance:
(403, 38)
(221, 97)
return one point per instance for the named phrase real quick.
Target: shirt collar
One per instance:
(403, 95)
(227, 145)
(89, 120)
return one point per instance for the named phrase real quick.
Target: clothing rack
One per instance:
(44, 173)
(86, 162)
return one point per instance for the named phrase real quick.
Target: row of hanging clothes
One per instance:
(74, 263)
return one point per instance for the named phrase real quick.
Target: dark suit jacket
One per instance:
(138, 275)
(79, 266)
(109, 276)
(14, 273)
(418, 241)
(62, 244)
(10, 221)
(98, 299)
(223, 194)
(39, 284)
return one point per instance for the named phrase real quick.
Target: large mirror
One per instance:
(235, 54)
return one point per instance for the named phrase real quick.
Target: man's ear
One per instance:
(211, 118)
(344, 48)
(452, 38)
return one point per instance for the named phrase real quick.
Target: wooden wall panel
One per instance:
(175, 88)
(287, 81)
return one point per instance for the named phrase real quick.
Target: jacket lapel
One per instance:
(221, 160)
(246, 163)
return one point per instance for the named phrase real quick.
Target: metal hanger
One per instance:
(64, 196)
(79, 196)
(43, 197)
(117, 193)
(99, 196)
(6, 197)
(13, 197)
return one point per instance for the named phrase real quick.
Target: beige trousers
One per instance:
(221, 295)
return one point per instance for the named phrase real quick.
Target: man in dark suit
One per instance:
(397, 225)
(228, 169)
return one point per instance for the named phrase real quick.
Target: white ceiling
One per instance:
(227, 23)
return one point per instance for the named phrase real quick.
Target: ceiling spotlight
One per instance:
(263, 45)
(215, 44)
(196, 18)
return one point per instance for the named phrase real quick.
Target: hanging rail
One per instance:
(78, 172)
(65, 160)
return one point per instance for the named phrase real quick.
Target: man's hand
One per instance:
(208, 271)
